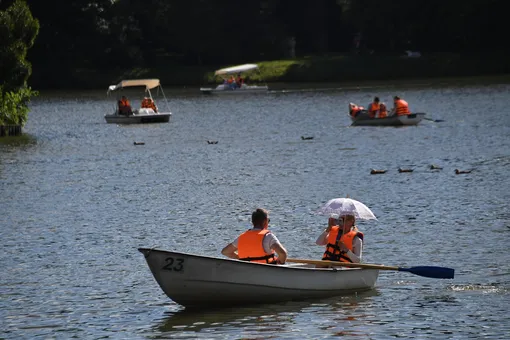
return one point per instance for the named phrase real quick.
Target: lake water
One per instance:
(77, 198)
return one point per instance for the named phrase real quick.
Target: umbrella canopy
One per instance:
(347, 206)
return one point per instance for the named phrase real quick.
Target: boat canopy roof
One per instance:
(236, 69)
(148, 83)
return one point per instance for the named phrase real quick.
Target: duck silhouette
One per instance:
(376, 172)
(139, 143)
(212, 142)
(306, 138)
(435, 167)
(458, 172)
(405, 170)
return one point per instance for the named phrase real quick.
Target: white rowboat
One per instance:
(202, 281)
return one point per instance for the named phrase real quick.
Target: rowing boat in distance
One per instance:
(363, 119)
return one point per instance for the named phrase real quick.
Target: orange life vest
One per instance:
(372, 109)
(355, 109)
(402, 108)
(333, 252)
(149, 104)
(383, 111)
(250, 248)
(124, 103)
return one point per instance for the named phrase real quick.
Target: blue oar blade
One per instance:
(430, 271)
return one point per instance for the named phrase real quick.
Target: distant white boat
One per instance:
(226, 88)
(140, 115)
(202, 281)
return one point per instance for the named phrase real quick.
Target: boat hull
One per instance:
(225, 90)
(138, 118)
(201, 281)
(363, 120)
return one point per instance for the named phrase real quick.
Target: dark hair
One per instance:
(376, 99)
(396, 97)
(258, 217)
(349, 218)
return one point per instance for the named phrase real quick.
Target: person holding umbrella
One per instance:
(342, 238)
(343, 242)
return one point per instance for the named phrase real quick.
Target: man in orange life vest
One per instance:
(124, 106)
(257, 244)
(374, 107)
(400, 107)
(343, 240)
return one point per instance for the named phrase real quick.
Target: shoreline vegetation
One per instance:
(364, 70)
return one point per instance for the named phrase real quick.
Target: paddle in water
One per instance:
(434, 120)
(425, 271)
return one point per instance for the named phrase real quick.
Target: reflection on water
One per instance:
(277, 319)
(18, 141)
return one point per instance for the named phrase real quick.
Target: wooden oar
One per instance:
(426, 271)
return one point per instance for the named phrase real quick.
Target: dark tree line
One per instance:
(128, 33)
(101, 35)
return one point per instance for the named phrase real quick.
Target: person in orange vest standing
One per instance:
(374, 107)
(257, 244)
(400, 107)
(343, 240)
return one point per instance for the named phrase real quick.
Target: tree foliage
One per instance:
(18, 30)
(98, 36)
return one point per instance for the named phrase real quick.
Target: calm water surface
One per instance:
(77, 198)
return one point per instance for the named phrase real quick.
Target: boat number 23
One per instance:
(175, 265)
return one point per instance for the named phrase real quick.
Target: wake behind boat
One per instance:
(148, 111)
(203, 281)
(231, 85)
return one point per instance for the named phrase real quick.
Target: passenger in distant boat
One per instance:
(124, 106)
(354, 109)
(343, 242)
(257, 244)
(232, 82)
(374, 107)
(400, 107)
(239, 80)
(383, 111)
(148, 103)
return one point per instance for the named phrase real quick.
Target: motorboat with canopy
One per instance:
(233, 87)
(147, 112)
